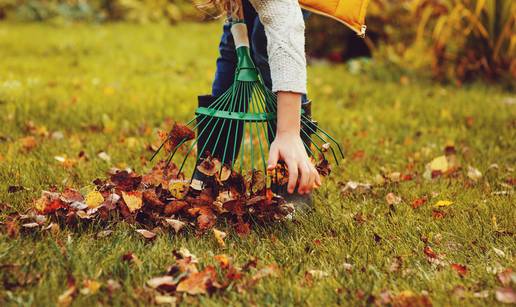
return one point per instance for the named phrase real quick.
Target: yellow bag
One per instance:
(349, 12)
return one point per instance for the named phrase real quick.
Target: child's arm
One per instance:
(285, 30)
(289, 147)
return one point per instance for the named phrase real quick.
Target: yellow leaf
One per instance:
(40, 204)
(219, 236)
(178, 188)
(443, 203)
(90, 287)
(439, 164)
(133, 200)
(94, 199)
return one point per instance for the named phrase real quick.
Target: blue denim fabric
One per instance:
(227, 60)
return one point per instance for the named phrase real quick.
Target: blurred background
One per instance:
(452, 41)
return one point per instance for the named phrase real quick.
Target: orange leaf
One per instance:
(462, 270)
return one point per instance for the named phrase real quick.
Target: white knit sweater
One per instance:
(285, 30)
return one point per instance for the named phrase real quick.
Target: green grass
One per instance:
(126, 79)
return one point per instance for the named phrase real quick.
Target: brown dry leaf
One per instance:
(198, 283)
(506, 277)
(174, 207)
(219, 237)
(149, 235)
(223, 260)
(392, 199)
(177, 225)
(474, 174)
(429, 252)
(205, 217)
(209, 166)
(28, 143)
(270, 270)
(396, 264)
(165, 300)
(461, 269)
(133, 200)
(125, 181)
(180, 133)
(505, 295)
(163, 283)
(409, 299)
(225, 173)
(323, 168)
(66, 298)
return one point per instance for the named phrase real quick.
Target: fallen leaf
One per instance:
(177, 225)
(198, 283)
(30, 225)
(28, 143)
(219, 237)
(461, 269)
(15, 188)
(104, 156)
(408, 299)
(418, 202)
(66, 298)
(126, 181)
(165, 299)
(443, 203)
(506, 277)
(94, 199)
(429, 252)
(223, 260)
(209, 166)
(146, 234)
(392, 199)
(474, 174)
(163, 283)
(505, 295)
(318, 274)
(438, 214)
(90, 287)
(481, 294)
(439, 164)
(396, 264)
(133, 200)
(270, 270)
(499, 252)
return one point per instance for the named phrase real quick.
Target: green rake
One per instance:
(244, 117)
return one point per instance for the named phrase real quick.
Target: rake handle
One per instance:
(239, 29)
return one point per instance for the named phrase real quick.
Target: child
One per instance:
(276, 33)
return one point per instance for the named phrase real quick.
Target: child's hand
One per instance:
(289, 148)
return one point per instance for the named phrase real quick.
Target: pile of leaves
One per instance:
(161, 198)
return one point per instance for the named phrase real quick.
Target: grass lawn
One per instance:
(108, 88)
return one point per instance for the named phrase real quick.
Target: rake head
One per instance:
(239, 126)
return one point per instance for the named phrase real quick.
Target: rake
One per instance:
(238, 127)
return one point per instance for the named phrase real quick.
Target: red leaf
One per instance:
(462, 270)
(429, 252)
(418, 202)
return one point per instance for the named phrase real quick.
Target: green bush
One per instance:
(458, 40)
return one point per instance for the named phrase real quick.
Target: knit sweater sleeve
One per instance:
(285, 31)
